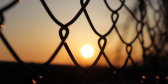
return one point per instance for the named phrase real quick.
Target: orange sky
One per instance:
(34, 36)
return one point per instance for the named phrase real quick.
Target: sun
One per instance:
(87, 51)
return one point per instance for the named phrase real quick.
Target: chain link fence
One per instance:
(154, 55)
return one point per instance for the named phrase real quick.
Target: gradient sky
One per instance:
(34, 36)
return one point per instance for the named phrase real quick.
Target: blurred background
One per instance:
(34, 36)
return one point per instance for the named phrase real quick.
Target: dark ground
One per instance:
(12, 73)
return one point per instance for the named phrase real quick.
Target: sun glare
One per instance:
(87, 51)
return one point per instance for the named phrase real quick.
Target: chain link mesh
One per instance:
(158, 36)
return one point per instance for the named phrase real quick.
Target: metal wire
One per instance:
(143, 21)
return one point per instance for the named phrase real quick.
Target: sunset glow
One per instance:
(38, 38)
(87, 51)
